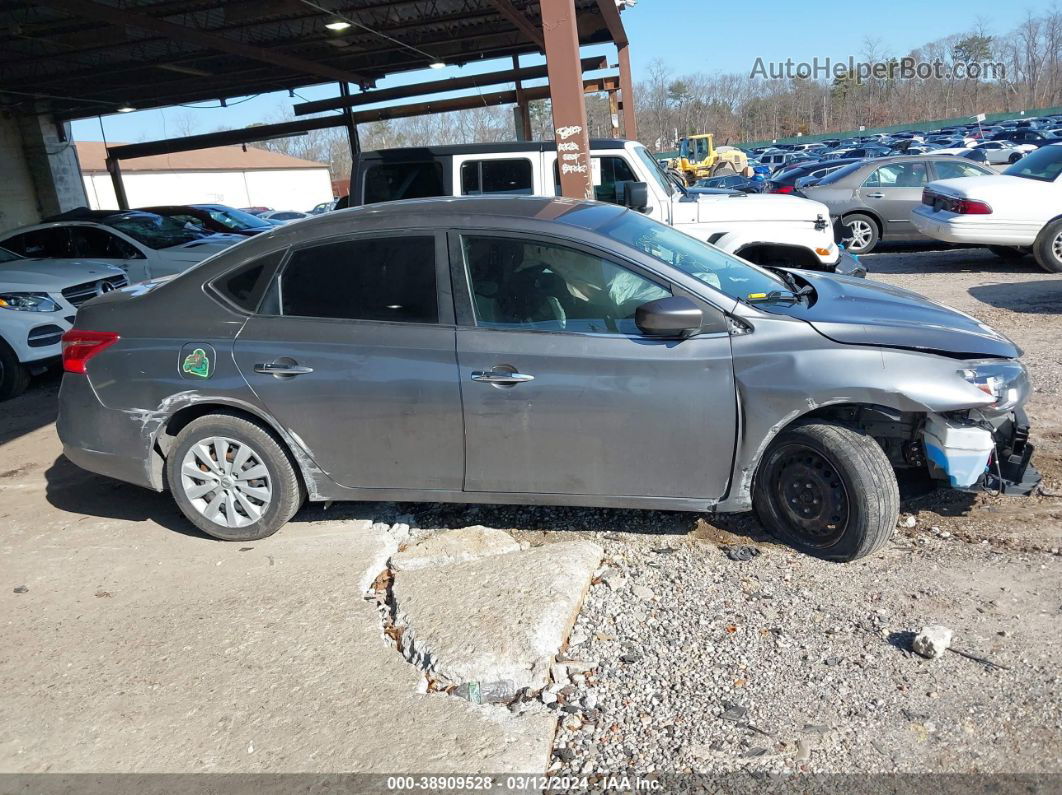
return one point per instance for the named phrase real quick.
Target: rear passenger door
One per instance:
(893, 191)
(352, 349)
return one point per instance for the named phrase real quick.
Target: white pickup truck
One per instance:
(1017, 213)
(767, 229)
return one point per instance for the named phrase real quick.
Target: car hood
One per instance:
(859, 312)
(53, 274)
(759, 206)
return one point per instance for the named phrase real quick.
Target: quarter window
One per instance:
(510, 177)
(520, 284)
(245, 285)
(381, 278)
(389, 182)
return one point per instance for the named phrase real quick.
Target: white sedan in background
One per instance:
(1014, 214)
(1000, 152)
(144, 245)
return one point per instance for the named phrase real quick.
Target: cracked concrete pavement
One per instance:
(138, 647)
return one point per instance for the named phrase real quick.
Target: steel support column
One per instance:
(523, 109)
(630, 126)
(349, 123)
(116, 180)
(561, 36)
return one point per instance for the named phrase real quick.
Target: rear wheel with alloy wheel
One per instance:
(232, 479)
(1048, 247)
(827, 490)
(860, 234)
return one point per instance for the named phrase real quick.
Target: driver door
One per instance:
(562, 394)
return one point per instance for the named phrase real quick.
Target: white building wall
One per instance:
(281, 189)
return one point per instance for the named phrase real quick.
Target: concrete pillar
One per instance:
(630, 126)
(566, 95)
(39, 171)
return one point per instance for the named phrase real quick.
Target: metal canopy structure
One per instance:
(77, 58)
(86, 57)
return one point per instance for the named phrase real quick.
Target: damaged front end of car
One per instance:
(985, 448)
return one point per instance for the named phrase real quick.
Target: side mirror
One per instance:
(635, 195)
(669, 317)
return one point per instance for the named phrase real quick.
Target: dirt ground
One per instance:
(986, 566)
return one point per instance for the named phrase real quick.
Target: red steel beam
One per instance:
(561, 35)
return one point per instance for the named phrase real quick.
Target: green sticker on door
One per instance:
(197, 361)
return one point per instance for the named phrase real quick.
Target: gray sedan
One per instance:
(537, 351)
(872, 200)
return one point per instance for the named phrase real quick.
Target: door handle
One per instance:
(501, 377)
(281, 369)
(875, 195)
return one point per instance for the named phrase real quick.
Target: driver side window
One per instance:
(525, 284)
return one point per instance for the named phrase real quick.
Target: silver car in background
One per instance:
(538, 351)
(872, 200)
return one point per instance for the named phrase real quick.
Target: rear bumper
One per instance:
(971, 229)
(102, 440)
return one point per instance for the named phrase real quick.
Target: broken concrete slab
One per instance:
(493, 618)
(209, 659)
(455, 546)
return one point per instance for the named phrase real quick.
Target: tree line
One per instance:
(740, 107)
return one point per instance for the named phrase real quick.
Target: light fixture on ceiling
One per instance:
(437, 65)
(126, 108)
(337, 25)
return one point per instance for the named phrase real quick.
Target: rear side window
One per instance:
(388, 182)
(952, 170)
(245, 285)
(380, 278)
(510, 177)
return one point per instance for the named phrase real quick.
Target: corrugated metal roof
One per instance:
(93, 156)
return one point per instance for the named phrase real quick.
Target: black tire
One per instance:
(14, 378)
(1014, 158)
(870, 234)
(1048, 247)
(287, 493)
(851, 503)
(1008, 252)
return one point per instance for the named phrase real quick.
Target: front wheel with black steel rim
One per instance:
(1048, 247)
(827, 490)
(232, 479)
(860, 234)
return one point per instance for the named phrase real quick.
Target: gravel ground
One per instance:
(786, 663)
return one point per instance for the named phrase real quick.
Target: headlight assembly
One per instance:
(28, 302)
(1004, 380)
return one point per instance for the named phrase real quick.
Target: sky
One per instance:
(730, 40)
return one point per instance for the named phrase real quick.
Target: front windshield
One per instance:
(1045, 164)
(707, 264)
(656, 171)
(235, 219)
(8, 256)
(154, 231)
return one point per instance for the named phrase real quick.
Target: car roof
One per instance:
(426, 152)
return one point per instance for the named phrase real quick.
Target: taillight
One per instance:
(940, 202)
(971, 207)
(784, 189)
(80, 346)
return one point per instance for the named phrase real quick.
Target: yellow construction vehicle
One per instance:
(699, 158)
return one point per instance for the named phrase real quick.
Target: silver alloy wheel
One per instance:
(860, 235)
(1056, 247)
(227, 481)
